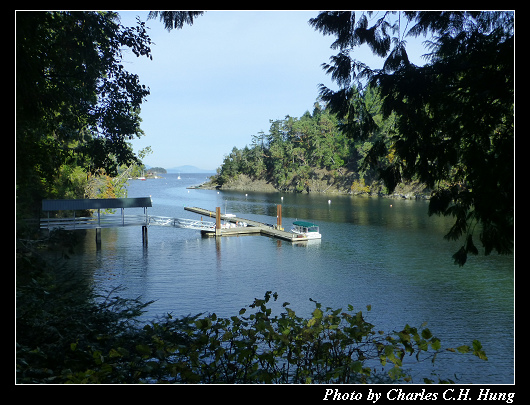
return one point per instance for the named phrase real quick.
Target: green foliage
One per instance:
(295, 148)
(175, 19)
(61, 325)
(453, 119)
(66, 334)
(76, 105)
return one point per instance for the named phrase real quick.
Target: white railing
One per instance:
(103, 221)
(110, 221)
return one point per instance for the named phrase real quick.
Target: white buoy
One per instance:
(329, 201)
(282, 198)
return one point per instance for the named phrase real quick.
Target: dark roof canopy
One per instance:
(95, 203)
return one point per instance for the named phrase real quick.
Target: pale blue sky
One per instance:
(219, 81)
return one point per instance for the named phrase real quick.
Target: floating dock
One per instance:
(241, 226)
(253, 227)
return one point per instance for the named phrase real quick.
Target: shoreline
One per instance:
(410, 191)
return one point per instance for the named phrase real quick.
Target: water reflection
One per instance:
(393, 258)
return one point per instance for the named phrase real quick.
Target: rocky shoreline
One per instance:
(325, 184)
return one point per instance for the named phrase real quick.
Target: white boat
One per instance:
(306, 229)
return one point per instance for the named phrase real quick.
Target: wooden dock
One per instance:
(253, 227)
(236, 225)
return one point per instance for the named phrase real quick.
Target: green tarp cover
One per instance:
(303, 223)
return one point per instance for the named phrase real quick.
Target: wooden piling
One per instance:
(217, 221)
(98, 238)
(144, 235)
(279, 217)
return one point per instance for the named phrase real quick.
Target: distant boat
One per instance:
(306, 230)
(141, 178)
(178, 178)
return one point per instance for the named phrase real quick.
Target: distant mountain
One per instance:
(188, 169)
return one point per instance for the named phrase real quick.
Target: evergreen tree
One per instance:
(454, 123)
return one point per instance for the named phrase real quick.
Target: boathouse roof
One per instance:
(95, 203)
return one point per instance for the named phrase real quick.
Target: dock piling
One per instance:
(217, 221)
(144, 235)
(98, 238)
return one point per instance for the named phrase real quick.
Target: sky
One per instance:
(216, 83)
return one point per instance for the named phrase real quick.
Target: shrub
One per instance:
(67, 334)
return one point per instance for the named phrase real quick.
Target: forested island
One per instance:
(312, 154)
(157, 170)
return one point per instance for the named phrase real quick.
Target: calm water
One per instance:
(382, 252)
